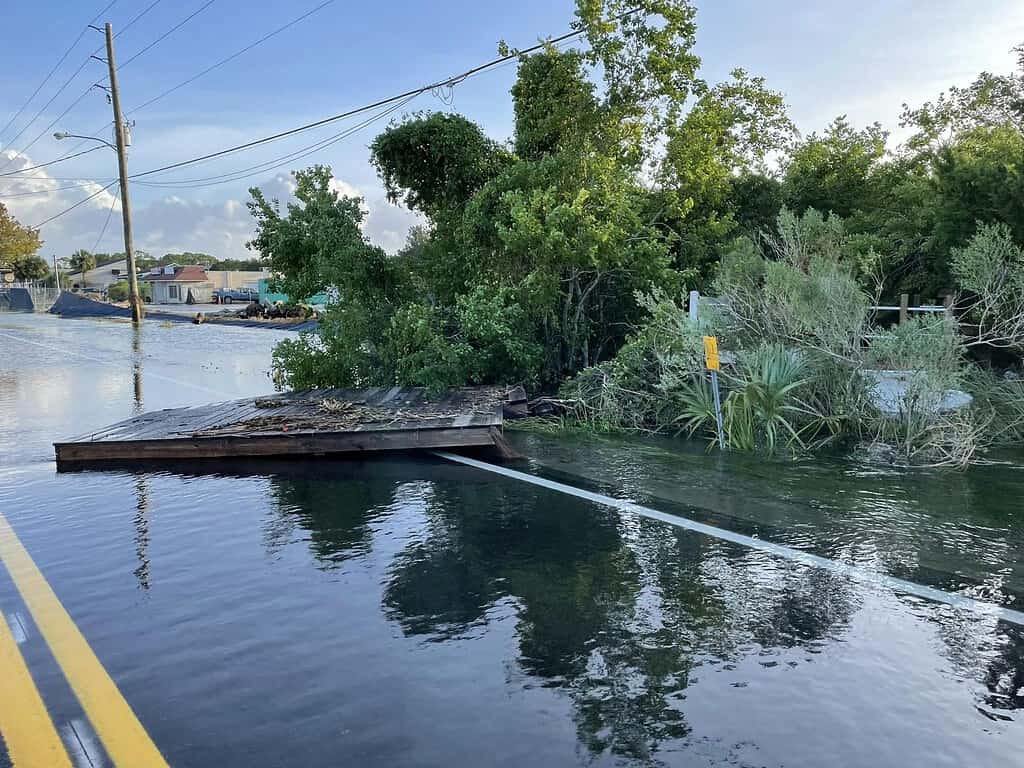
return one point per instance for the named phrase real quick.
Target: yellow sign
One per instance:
(711, 353)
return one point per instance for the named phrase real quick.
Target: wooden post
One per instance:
(904, 306)
(947, 302)
(694, 305)
(134, 300)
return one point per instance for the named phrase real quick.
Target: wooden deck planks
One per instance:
(303, 424)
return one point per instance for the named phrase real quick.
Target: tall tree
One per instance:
(82, 262)
(554, 103)
(434, 163)
(991, 101)
(723, 140)
(30, 268)
(317, 243)
(16, 241)
(833, 172)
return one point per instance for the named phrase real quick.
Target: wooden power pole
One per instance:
(122, 168)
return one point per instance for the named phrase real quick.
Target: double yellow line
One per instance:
(25, 725)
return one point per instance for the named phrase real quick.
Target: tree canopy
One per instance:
(16, 241)
(626, 173)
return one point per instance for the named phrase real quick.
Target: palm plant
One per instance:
(762, 411)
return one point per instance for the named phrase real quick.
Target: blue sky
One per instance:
(829, 57)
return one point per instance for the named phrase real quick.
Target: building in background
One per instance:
(229, 279)
(101, 277)
(179, 285)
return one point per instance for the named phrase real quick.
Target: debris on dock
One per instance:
(310, 423)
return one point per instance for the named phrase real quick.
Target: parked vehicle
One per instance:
(268, 298)
(231, 295)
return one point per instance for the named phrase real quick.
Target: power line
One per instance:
(209, 69)
(71, 208)
(43, 165)
(53, 178)
(68, 82)
(106, 222)
(56, 66)
(138, 16)
(169, 32)
(450, 81)
(38, 193)
(226, 59)
(277, 162)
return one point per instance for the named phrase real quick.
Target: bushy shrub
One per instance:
(117, 291)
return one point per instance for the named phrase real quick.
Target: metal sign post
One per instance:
(712, 362)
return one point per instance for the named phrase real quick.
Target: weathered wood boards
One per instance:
(315, 422)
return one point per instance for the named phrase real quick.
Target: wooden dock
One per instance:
(311, 423)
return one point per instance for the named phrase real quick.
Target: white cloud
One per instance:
(168, 223)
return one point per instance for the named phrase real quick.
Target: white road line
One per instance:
(789, 553)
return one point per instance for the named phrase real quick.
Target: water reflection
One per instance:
(614, 612)
(141, 519)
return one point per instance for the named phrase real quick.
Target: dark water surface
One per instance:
(408, 611)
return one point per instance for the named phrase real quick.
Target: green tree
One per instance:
(16, 241)
(434, 163)
(644, 50)
(723, 140)
(834, 172)
(991, 101)
(30, 268)
(318, 243)
(979, 178)
(555, 107)
(82, 262)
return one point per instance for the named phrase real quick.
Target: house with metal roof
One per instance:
(179, 285)
(101, 277)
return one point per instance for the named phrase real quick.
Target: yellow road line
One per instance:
(126, 741)
(25, 725)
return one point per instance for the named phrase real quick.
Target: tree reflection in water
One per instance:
(617, 613)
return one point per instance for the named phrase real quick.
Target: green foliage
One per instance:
(144, 262)
(991, 257)
(16, 241)
(834, 172)
(998, 404)
(554, 104)
(990, 268)
(434, 163)
(119, 291)
(799, 291)
(711, 155)
(990, 101)
(761, 409)
(756, 200)
(980, 178)
(342, 353)
(319, 244)
(559, 257)
(569, 230)
(644, 48)
(81, 262)
(792, 316)
(30, 267)
(930, 344)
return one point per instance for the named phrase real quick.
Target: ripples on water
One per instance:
(412, 612)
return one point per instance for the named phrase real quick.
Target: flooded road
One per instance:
(411, 611)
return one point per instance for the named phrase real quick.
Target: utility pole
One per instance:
(122, 168)
(56, 272)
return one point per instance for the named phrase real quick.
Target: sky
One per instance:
(829, 57)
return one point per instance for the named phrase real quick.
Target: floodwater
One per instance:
(414, 612)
